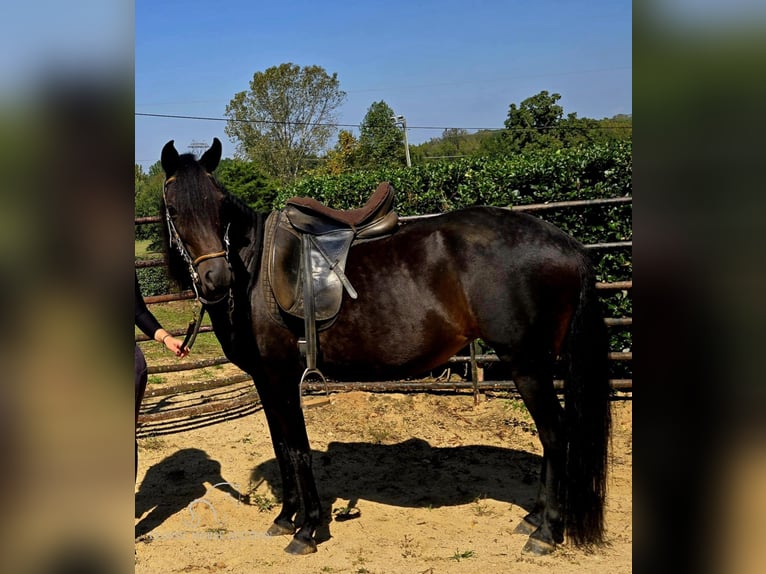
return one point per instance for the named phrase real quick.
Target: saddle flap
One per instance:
(286, 269)
(285, 265)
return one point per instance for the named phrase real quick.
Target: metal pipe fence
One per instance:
(247, 397)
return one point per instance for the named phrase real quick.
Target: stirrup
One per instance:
(313, 371)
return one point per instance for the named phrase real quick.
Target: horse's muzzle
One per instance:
(215, 279)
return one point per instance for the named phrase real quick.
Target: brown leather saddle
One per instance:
(305, 255)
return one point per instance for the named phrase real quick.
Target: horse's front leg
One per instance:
(283, 523)
(281, 403)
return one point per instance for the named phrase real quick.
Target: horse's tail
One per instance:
(588, 417)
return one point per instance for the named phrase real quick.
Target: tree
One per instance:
(534, 124)
(147, 197)
(619, 127)
(288, 115)
(343, 157)
(381, 141)
(243, 179)
(579, 131)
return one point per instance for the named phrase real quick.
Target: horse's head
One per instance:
(192, 205)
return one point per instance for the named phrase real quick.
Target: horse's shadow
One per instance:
(414, 474)
(173, 484)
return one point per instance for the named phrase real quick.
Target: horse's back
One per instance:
(474, 243)
(476, 238)
(441, 281)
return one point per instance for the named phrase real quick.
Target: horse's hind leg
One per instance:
(534, 519)
(545, 521)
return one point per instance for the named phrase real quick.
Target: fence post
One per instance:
(474, 373)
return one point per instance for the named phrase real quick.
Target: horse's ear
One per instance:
(211, 157)
(169, 159)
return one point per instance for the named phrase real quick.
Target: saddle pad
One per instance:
(264, 276)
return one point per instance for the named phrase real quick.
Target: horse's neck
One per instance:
(232, 320)
(251, 254)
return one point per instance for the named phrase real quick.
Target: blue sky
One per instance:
(443, 63)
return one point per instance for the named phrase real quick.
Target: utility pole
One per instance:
(400, 120)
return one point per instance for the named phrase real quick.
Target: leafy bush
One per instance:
(153, 281)
(597, 171)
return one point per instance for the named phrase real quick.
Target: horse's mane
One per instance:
(242, 219)
(191, 204)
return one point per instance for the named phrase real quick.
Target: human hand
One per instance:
(174, 345)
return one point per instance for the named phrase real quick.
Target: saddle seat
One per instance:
(376, 217)
(309, 239)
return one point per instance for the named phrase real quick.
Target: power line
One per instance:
(276, 122)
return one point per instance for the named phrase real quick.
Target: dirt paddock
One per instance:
(416, 483)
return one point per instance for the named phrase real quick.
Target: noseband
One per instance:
(193, 263)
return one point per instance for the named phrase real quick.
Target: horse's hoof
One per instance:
(524, 527)
(299, 547)
(538, 547)
(279, 530)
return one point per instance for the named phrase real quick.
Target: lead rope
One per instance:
(193, 329)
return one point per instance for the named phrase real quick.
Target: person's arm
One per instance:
(151, 327)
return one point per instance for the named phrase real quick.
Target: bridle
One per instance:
(175, 238)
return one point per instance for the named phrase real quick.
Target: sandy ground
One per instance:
(438, 485)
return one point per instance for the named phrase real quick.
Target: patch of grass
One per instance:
(343, 510)
(465, 554)
(152, 443)
(410, 548)
(481, 508)
(218, 531)
(261, 502)
(518, 407)
(379, 435)
(142, 249)
(155, 379)
(359, 560)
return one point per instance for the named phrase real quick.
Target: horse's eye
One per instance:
(172, 211)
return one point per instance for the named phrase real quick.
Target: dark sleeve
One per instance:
(145, 321)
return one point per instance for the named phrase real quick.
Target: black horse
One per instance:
(423, 293)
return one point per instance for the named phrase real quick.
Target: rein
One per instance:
(175, 238)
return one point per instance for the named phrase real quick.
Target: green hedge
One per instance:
(153, 281)
(575, 173)
(599, 171)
